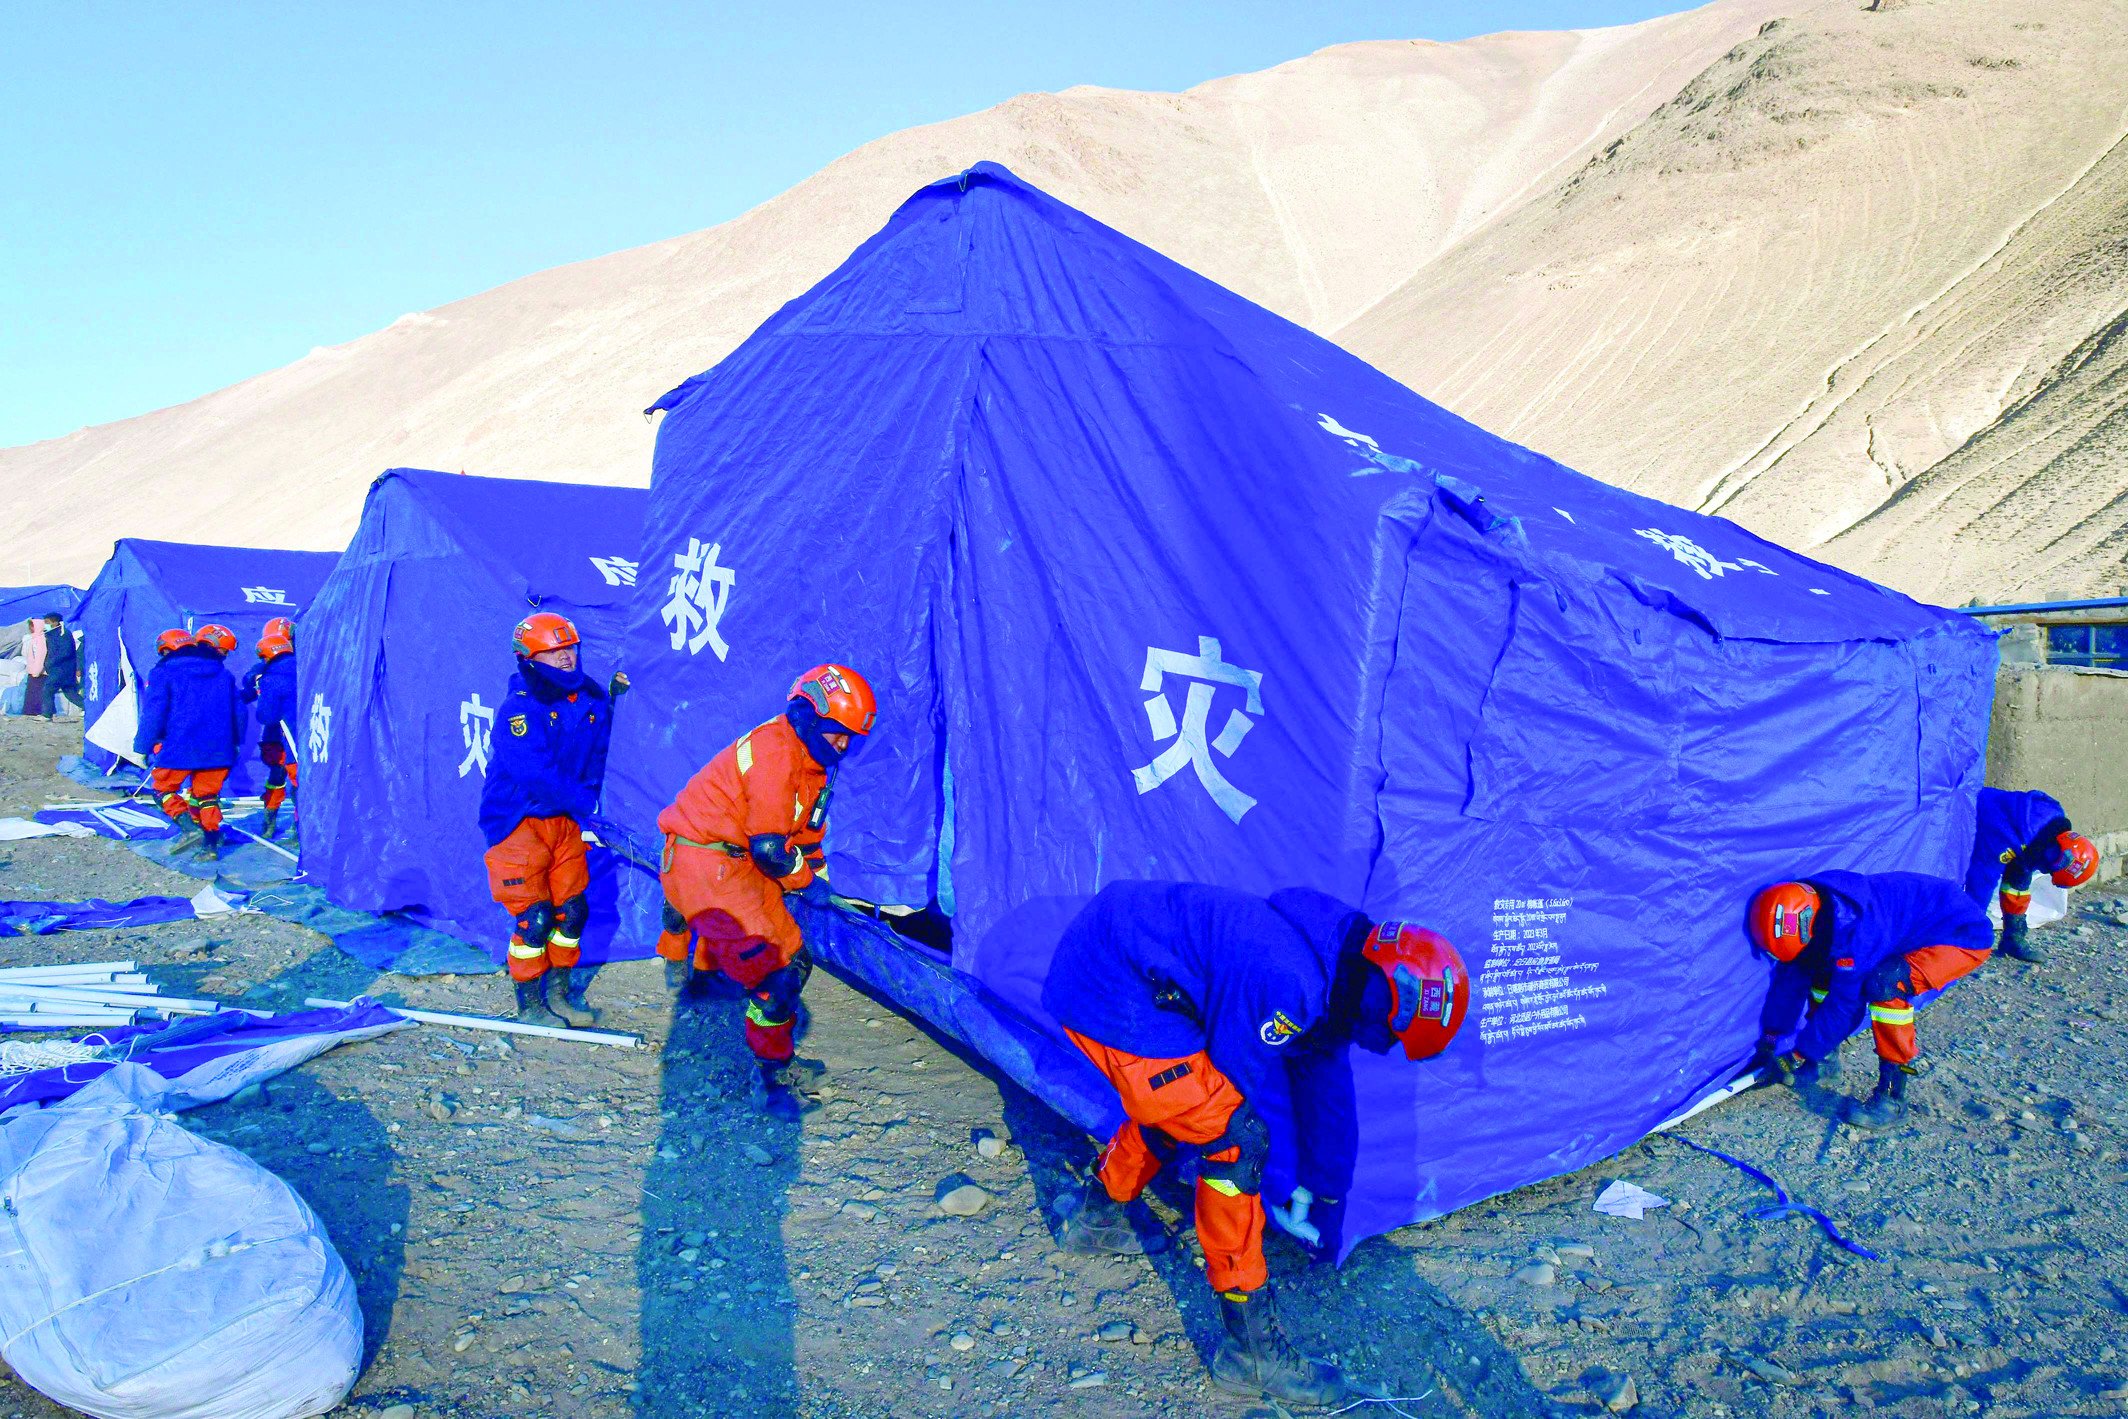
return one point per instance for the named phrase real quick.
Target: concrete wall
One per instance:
(2065, 730)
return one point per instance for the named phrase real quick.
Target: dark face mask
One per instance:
(813, 732)
(566, 682)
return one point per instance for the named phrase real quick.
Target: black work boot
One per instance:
(189, 833)
(780, 1089)
(1887, 1106)
(677, 974)
(532, 1003)
(2019, 942)
(273, 819)
(1102, 1226)
(574, 1012)
(1257, 1360)
(209, 847)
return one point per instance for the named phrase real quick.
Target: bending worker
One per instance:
(271, 684)
(2016, 834)
(1194, 1002)
(545, 768)
(746, 830)
(189, 727)
(1856, 945)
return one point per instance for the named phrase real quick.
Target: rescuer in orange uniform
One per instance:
(189, 726)
(745, 831)
(544, 772)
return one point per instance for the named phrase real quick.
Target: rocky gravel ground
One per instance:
(541, 1228)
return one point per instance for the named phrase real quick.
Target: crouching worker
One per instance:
(544, 771)
(190, 724)
(2015, 835)
(1194, 1002)
(270, 684)
(745, 831)
(1859, 945)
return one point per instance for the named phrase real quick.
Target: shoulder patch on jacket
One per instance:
(517, 725)
(1278, 1029)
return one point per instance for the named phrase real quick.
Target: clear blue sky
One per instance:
(194, 193)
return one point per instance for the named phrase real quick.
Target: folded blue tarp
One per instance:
(147, 588)
(96, 914)
(406, 653)
(1155, 584)
(205, 1058)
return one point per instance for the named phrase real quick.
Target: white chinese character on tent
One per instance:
(320, 735)
(265, 596)
(1691, 553)
(696, 597)
(1192, 748)
(476, 722)
(618, 571)
(94, 678)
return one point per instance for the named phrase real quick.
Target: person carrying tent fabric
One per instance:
(1195, 1002)
(544, 774)
(2016, 834)
(271, 684)
(1854, 945)
(62, 665)
(190, 724)
(746, 830)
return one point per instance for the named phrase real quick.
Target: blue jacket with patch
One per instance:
(2010, 825)
(1165, 969)
(189, 707)
(547, 749)
(271, 686)
(1865, 920)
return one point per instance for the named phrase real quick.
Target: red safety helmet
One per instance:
(2083, 860)
(543, 631)
(216, 635)
(839, 695)
(1429, 988)
(172, 640)
(280, 626)
(1782, 917)
(275, 643)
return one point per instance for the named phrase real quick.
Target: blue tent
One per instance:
(406, 653)
(147, 588)
(20, 603)
(1155, 584)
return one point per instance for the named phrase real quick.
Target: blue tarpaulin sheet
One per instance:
(96, 914)
(147, 588)
(20, 603)
(406, 653)
(1155, 584)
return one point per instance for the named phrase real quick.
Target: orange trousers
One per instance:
(193, 792)
(1891, 1020)
(1183, 1100)
(280, 775)
(540, 864)
(728, 905)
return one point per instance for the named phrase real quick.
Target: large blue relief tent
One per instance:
(1156, 584)
(147, 588)
(22, 603)
(406, 653)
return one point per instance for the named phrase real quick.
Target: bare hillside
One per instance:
(1316, 188)
(1861, 285)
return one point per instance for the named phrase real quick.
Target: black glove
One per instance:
(1794, 1070)
(617, 686)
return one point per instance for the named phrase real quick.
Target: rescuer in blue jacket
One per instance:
(1859, 946)
(2016, 834)
(189, 727)
(546, 763)
(270, 684)
(1194, 1001)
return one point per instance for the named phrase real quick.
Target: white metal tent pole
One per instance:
(482, 1022)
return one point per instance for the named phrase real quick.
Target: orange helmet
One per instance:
(1429, 988)
(839, 695)
(2083, 860)
(217, 636)
(276, 643)
(280, 626)
(172, 640)
(543, 631)
(1782, 917)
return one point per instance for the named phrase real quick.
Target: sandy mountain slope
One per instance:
(1316, 188)
(1862, 285)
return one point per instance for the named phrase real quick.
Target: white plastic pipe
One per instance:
(37, 972)
(504, 1027)
(61, 1017)
(132, 999)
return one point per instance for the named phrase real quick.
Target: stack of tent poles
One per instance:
(91, 995)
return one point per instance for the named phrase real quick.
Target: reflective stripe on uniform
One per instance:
(1220, 1185)
(1818, 993)
(1892, 1014)
(567, 943)
(2013, 894)
(756, 1015)
(524, 952)
(746, 755)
